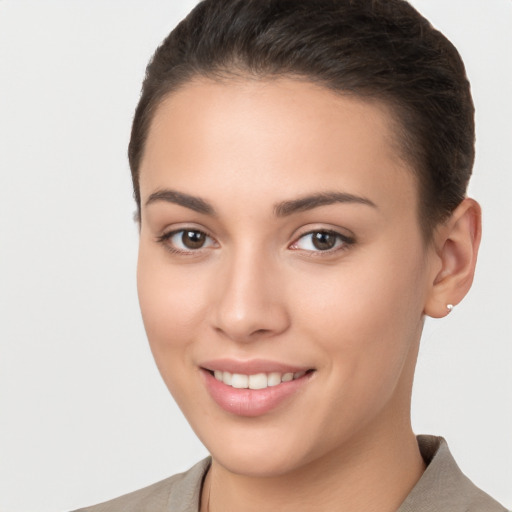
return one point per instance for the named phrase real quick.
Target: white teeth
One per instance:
(256, 381)
(273, 379)
(239, 381)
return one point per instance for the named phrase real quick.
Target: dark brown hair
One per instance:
(375, 49)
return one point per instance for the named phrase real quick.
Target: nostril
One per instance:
(261, 331)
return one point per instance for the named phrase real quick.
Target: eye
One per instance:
(187, 240)
(322, 240)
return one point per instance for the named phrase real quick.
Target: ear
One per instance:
(456, 245)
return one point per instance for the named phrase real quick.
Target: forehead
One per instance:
(251, 136)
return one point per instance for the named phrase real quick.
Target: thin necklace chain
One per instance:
(209, 493)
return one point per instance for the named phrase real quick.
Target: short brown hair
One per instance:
(379, 49)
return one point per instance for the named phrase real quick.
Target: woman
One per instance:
(300, 171)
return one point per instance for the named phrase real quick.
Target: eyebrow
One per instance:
(172, 196)
(315, 200)
(281, 209)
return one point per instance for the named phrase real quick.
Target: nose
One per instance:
(250, 301)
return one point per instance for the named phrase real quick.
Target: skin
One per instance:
(258, 288)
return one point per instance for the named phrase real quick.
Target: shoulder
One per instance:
(179, 493)
(444, 486)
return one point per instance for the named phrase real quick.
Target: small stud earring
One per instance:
(449, 307)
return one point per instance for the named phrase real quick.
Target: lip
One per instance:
(252, 402)
(251, 367)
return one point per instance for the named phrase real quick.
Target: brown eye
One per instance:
(193, 239)
(186, 240)
(324, 240)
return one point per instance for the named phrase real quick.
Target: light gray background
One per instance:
(83, 413)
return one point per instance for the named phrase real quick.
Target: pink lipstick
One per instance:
(252, 388)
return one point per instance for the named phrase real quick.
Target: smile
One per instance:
(257, 380)
(253, 388)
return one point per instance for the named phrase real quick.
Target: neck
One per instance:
(376, 474)
(374, 471)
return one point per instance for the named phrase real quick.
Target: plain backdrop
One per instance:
(84, 415)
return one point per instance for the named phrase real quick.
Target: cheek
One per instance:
(366, 318)
(172, 304)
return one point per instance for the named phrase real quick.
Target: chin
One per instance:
(264, 451)
(258, 464)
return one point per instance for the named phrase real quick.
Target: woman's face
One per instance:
(280, 236)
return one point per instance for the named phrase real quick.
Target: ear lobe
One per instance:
(457, 243)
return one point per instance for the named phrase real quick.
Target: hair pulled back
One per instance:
(375, 49)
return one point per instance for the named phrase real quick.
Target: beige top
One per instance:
(442, 488)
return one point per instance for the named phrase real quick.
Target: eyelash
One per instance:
(166, 237)
(343, 242)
